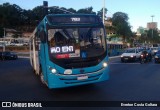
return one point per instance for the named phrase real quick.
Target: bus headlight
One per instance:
(68, 71)
(105, 64)
(53, 70)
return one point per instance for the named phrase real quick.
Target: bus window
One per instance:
(37, 42)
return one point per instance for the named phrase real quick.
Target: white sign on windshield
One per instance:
(63, 49)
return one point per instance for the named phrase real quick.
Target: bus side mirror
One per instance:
(43, 36)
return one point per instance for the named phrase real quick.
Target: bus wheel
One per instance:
(34, 71)
(41, 77)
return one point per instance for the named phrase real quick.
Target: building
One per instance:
(108, 22)
(109, 27)
(112, 37)
(14, 36)
(26, 34)
(141, 30)
(152, 25)
(10, 33)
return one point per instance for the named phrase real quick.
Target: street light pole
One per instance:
(103, 10)
(152, 25)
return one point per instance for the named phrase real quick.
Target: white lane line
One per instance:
(124, 63)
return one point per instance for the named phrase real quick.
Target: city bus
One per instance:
(69, 50)
(115, 49)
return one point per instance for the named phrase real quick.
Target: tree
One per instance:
(11, 15)
(100, 13)
(38, 13)
(72, 10)
(88, 10)
(155, 38)
(143, 38)
(120, 21)
(58, 10)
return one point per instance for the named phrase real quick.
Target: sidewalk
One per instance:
(114, 57)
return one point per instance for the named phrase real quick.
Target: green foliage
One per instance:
(149, 36)
(100, 13)
(72, 10)
(88, 10)
(13, 16)
(153, 36)
(122, 27)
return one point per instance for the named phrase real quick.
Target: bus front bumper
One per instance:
(61, 81)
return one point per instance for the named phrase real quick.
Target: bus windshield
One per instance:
(73, 43)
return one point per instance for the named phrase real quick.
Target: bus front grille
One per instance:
(80, 64)
(74, 80)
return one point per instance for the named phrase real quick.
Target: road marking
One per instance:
(114, 57)
(124, 63)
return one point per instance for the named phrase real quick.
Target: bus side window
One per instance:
(37, 43)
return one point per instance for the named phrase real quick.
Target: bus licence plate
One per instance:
(82, 77)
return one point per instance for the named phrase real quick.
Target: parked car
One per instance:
(9, 56)
(131, 54)
(157, 57)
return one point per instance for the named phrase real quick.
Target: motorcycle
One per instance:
(145, 57)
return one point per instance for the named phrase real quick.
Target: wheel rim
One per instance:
(42, 78)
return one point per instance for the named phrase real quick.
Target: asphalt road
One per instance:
(128, 82)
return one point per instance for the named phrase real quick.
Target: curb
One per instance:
(23, 57)
(114, 57)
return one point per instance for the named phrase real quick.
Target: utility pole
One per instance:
(152, 25)
(45, 8)
(103, 11)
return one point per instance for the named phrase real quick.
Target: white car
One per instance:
(154, 50)
(131, 54)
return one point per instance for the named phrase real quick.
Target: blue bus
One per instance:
(115, 49)
(69, 50)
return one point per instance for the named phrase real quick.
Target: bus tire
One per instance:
(122, 60)
(41, 76)
(34, 71)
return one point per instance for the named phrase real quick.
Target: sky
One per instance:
(139, 11)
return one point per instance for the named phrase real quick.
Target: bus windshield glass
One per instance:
(73, 43)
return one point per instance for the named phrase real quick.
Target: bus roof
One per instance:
(73, 19)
